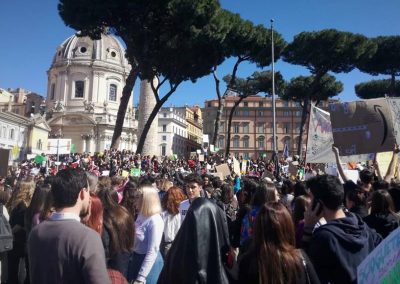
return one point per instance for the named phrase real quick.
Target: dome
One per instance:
(107, 52)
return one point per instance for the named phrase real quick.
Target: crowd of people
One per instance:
(91, 219)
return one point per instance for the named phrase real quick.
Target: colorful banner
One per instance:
(382, 265)
(362, 127)
(320, 138)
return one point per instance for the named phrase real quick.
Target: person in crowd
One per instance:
(95, 219)
(17, 206)
(93, 180)
(4, 197)
(172, 219)
(300, 204)
(355, 199)
(198, 253)
(394, 192)
(146, 261)
(193, 188)
(264, 193)
(229, 204)
(287, 193)
(339, 246)
(383, 217)
(61, 249)
(130, 196)
(273, 257)
(299, 189)
(118, 232)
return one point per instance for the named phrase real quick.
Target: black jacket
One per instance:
(338, 247)
(384, 224)
(198, 252)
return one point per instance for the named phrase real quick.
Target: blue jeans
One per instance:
(135, 263)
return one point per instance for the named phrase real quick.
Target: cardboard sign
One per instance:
(236, 167)
(394, 104)
(382, 265)
(223, 169)
(362, 127)
(201, 158)
(383, 160)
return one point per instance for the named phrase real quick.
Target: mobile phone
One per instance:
(314, 204)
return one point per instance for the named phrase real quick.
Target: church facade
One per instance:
(85, 83)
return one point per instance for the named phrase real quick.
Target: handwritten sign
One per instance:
(223, 169)
(362, 127)
(382, 265)
(383, 160)
(236, 166)
(394, 105)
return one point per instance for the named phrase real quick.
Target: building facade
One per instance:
(21, 102)
(85, 83)
(251, 129)
(172, 133)
(194, 119)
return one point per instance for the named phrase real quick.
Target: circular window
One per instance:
(113, 54)
(83, 49)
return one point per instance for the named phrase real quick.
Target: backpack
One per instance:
(6, 236)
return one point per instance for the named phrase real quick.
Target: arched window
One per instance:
(236, 142)
(112, 93)
(246, 143)
(261, 142)
(221, 142)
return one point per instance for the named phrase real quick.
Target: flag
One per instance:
(286, 151)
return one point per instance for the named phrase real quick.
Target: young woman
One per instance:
(300, 204)
(273, 257)
(146, 261)
(383, 217)
(172, 219)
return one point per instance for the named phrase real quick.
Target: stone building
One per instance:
(251, 130)
(85, 83)
(21, 102)
(194, 118)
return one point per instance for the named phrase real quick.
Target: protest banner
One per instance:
(394, 105)
(383, 161)
(382, 265)
(59, 146)
(223, 169)
(236, 167)
(362, 127)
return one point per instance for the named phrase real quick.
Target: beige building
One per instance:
(251, 132)
(194, 121)
(21, 101)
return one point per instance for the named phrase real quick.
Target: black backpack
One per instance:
(6, 236)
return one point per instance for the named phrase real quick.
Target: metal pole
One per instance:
(273, 90)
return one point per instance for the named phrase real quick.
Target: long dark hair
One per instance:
(129, 196)
(274, 243)
(382, 202)
(40, 195)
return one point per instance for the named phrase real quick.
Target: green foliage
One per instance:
(328, 50)
(300, 88)
(177, 39)
(258, 82)
(385, 60)
(375, 89)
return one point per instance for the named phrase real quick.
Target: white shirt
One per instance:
(172, 223)
(148, 234)
(183, 208)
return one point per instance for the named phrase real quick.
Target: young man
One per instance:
(339, 246)
(62, 250)
(193, 188)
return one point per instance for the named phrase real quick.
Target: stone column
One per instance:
(147, 102)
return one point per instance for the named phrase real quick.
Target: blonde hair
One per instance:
(151, 204)
(23, 194)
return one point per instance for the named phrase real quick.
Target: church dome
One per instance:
(107, 52)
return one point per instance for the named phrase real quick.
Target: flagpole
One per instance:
(274, 152)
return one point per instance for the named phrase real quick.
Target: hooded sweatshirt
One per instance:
(338, 247)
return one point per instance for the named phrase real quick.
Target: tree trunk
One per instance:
(228, 139)
(153, 114)
(126, 95)
(302, 125)
(219, 111)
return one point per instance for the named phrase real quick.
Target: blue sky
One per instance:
(31, 31)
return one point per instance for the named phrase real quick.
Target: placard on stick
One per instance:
(223, 169)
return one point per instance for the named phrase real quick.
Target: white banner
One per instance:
(394, 105)
(320, 140)
(58, 146)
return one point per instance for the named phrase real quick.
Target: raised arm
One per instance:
(339, 164)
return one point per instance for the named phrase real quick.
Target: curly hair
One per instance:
(172, 199)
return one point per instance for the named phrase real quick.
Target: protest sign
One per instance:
(125, 173)
(362, 127)
(383, 160)
(382, 265)
(59, 146)
(135, 172)
(244, 166)
(223, 169)
(201, 158)
(394, 105)
(236, 166)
